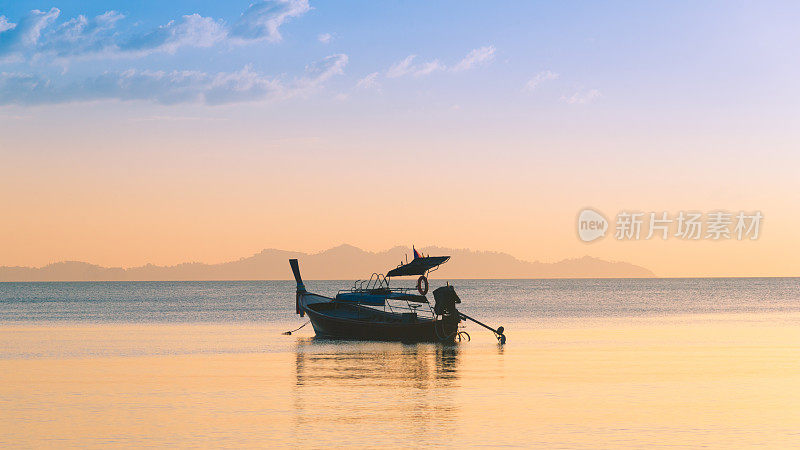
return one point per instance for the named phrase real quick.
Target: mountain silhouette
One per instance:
(344, 262)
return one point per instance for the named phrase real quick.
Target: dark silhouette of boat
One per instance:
(371, 310)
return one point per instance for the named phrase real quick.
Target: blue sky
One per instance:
(720, 52)
(702, 59)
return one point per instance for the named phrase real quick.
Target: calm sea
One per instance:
(588, 363)
(270, 301)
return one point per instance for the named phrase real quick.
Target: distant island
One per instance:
(344, 262)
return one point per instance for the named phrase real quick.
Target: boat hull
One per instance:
(377, 326)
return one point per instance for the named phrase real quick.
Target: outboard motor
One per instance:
(445, 305)
(445, 299)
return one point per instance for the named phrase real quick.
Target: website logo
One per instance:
(591, 225)
(715, 225)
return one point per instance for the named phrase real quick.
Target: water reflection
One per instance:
(400, 388)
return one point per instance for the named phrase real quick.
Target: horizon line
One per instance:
(457, 279)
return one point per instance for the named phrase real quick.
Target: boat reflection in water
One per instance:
(373, 392)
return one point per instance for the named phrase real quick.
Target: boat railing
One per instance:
(399, 306)
(378, 284)
(392, 305)
(376, 281)
(359, 287)
(380, 281)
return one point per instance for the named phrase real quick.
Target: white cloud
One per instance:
(369, 82)
(17, 37)
(582, 97)
(407, 67)
(263, 19)
(318, 73)
(428, 68)
(540, 78)
(476, 57)
(156, 86)
(5, 25)
(325, 38)
(38, 35)
(81, 35)
(239, 87)
(401, 68)
(167, 87)
(192, 30)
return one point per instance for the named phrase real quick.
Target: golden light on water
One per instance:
(720, 380)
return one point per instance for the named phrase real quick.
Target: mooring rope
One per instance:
(301, 326)
(436, 330)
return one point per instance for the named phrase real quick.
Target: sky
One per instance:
(166, 132)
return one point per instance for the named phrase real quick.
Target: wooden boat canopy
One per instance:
(418, 266)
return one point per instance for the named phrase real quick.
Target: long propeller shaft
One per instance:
(497, 332)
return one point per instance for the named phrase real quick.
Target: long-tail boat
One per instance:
(372, 310)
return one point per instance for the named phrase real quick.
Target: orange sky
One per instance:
(169, 191)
